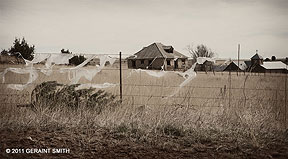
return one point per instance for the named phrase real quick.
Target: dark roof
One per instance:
(257, 57)
(232, 67)
(157, 50)
(248, 63)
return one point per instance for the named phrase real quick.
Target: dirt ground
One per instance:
(104, 144)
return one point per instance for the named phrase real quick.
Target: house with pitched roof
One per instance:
(257, 64)
(233, 67)
(158, 56)
(275, 67)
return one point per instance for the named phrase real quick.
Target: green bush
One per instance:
(76, 60)
(54, 95)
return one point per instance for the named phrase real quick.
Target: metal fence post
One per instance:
(229, 89)
(120, 63)
(285, 108)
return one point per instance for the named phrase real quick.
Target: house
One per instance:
(256, 59)
(233, 67)
(260, 66)
(204, 64)
(255, 64)
(158, 56)
(275, 67)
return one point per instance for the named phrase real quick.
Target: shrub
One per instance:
(76, 60)
(54, 95)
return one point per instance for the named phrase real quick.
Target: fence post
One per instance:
(238, 59)
(285, 108)
(120, 63)
(229, 89)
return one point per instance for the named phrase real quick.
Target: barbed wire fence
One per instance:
(212, 90)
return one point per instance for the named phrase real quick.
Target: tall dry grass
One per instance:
(142, 123)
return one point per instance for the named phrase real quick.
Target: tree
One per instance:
(66, 52)
(4, 52)
(200, 51)
(76, 60)
(22, 47)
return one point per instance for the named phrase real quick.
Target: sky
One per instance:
(111, 26)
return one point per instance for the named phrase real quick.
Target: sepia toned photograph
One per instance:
(137, 79)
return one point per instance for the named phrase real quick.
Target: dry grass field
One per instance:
(213, 116)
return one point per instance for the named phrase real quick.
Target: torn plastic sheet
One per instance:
(157, 74)
(100, 86)
(33, 75)
(58, 59)
(38, 58)
(53, 59)
(76, 73)
(190, 74)
(105, 58)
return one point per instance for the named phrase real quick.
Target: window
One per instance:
(142, 61)
(168, 63)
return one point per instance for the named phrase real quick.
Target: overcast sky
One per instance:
(110, 26)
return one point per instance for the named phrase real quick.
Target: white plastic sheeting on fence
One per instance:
(58, 59)
(153, 73)
(37, 58)
(33, 75)
(76, 73)
(53, 59)
(90, 85)
(190, 74)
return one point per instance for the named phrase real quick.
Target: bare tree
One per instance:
(200, 51)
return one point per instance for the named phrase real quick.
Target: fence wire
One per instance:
(268, 88)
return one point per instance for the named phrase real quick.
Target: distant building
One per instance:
(260, 66)
(257, 59)
(255, 64)
(233, 67)
(275, 67)
(158, 56)
(204, 64)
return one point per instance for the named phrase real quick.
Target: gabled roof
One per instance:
(157, 50)
(257, 57)
(274, 65)
(248, 63)
(234, 65)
